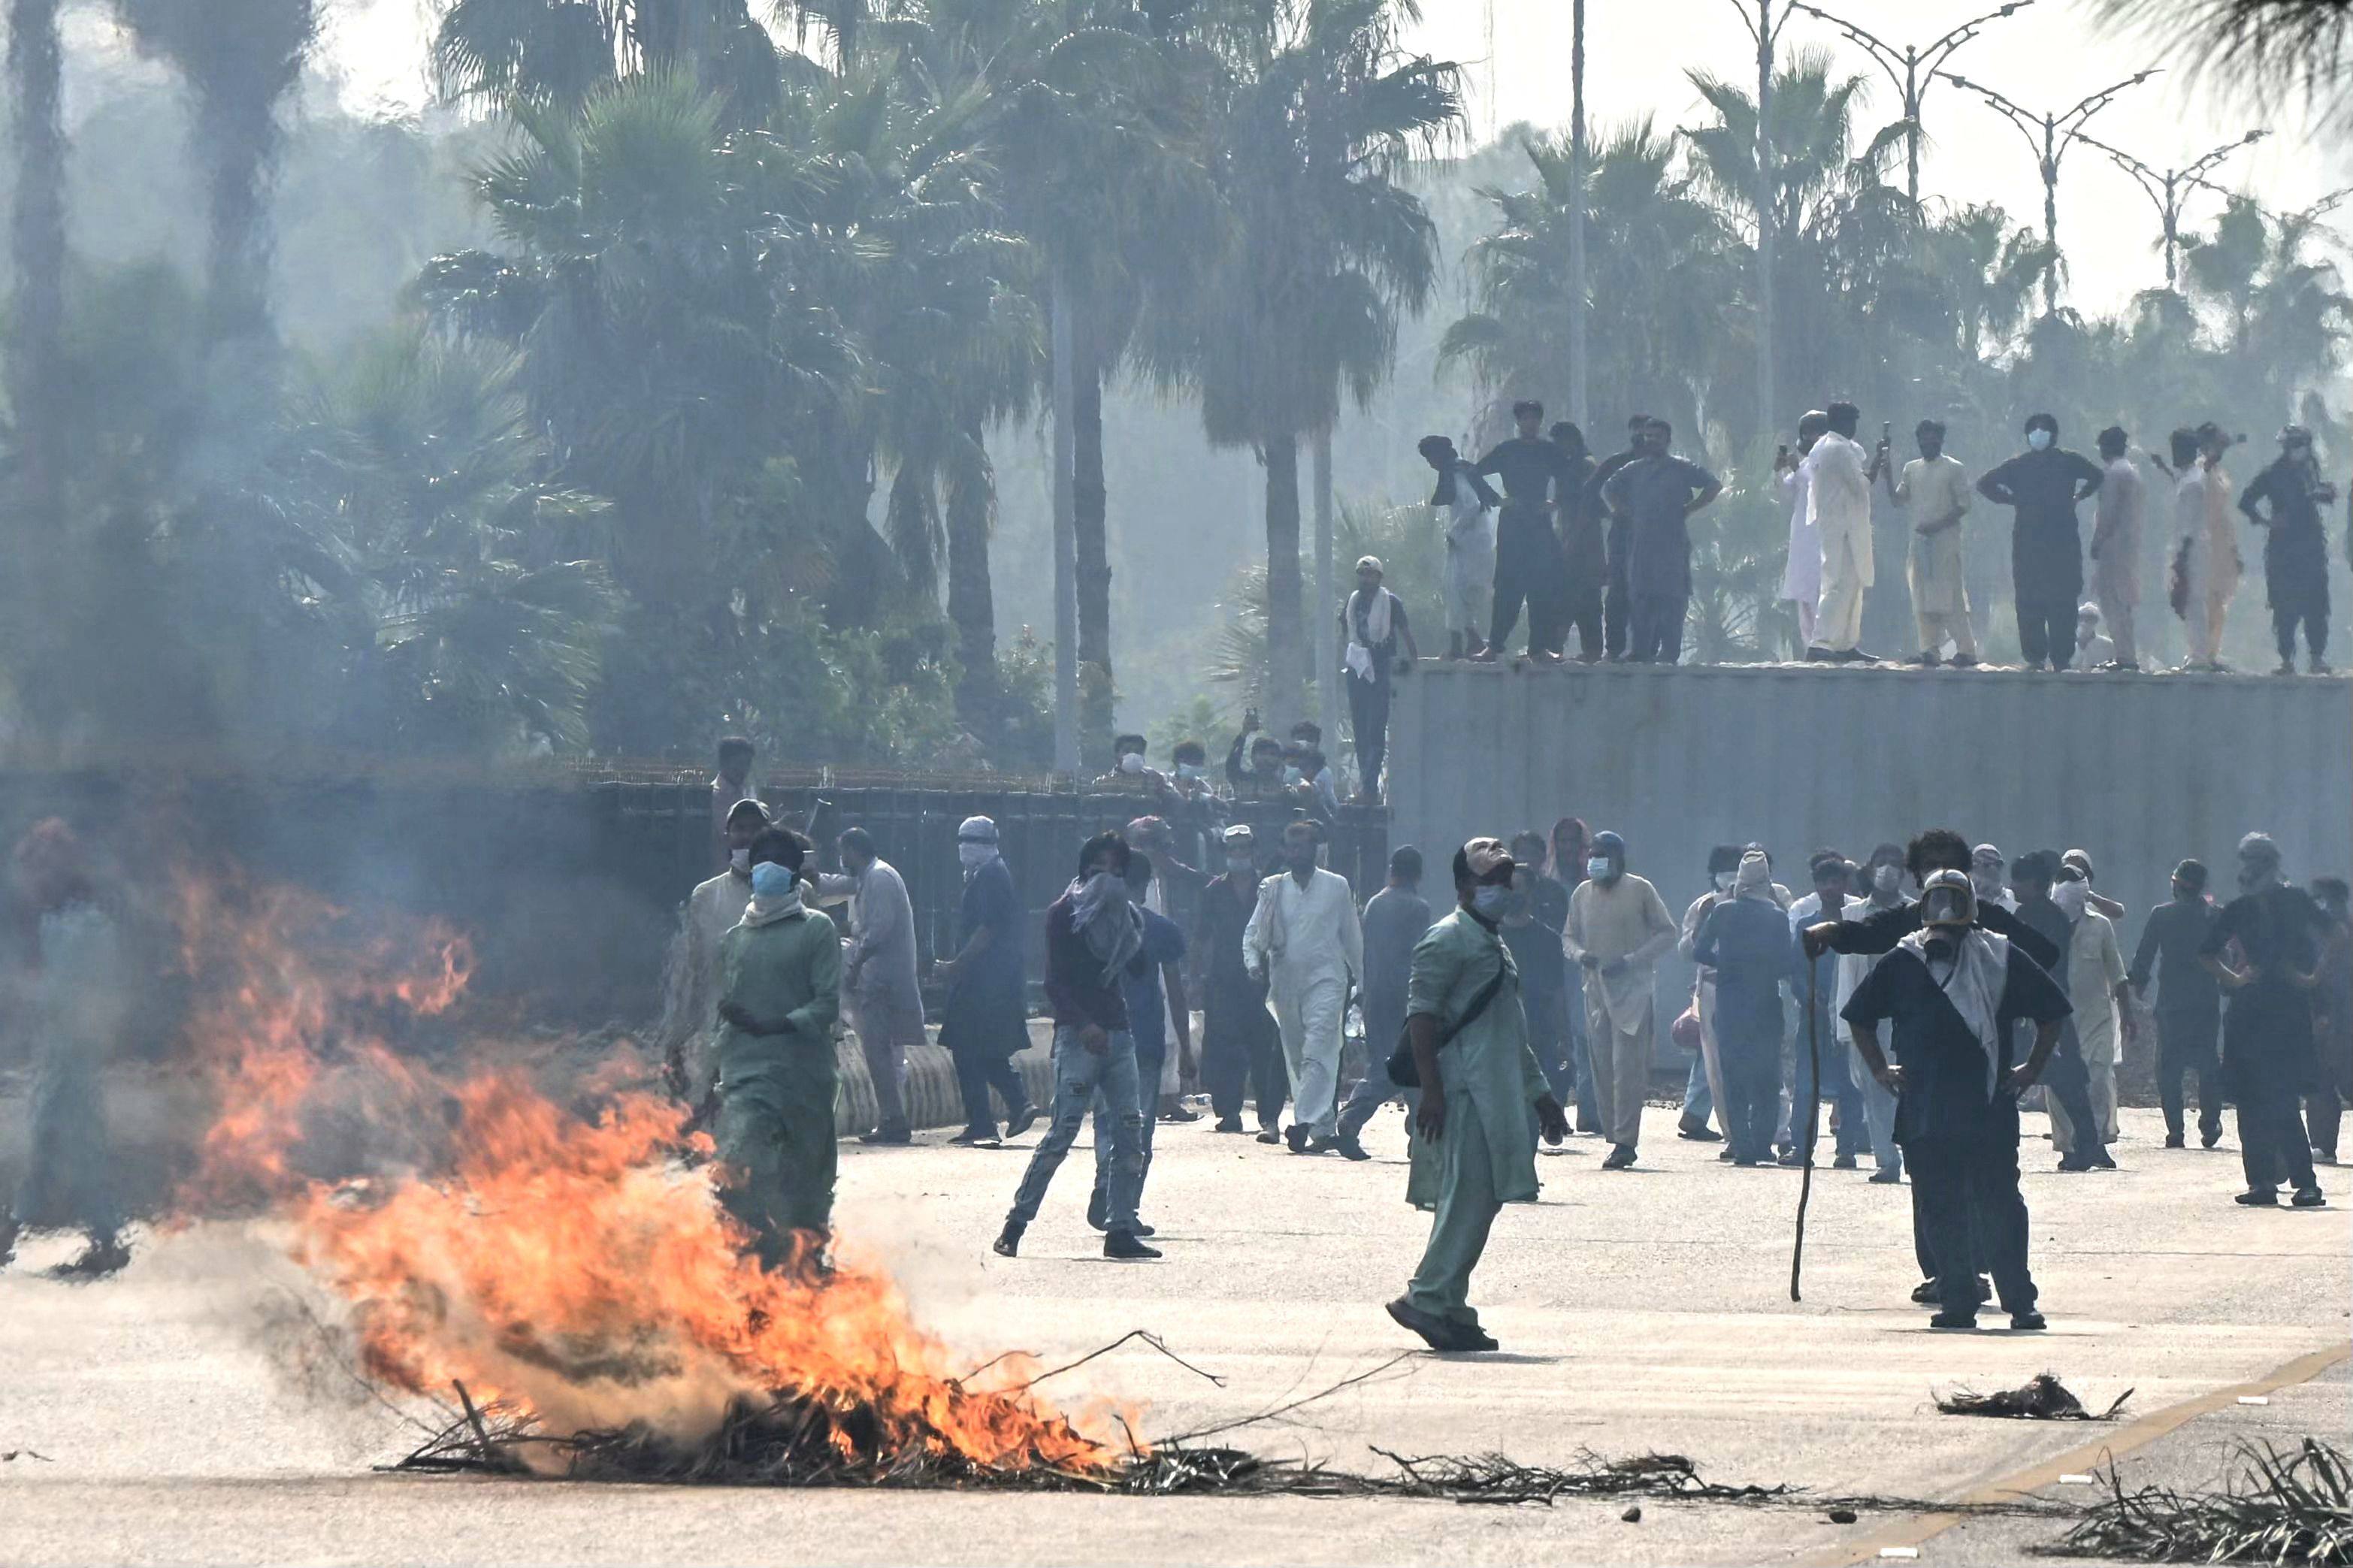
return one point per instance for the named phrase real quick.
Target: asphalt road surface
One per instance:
(176, 1418)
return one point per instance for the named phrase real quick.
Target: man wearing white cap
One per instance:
(1372, 626)
(1305, 940)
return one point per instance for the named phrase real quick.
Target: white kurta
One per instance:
(1801, 579)
(1469, 579)
(690, 1009)
(1839, 492)
(2095, 967)
(1308, 944)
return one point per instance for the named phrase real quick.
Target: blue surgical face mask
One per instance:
(2038, 437)
(1187, 771)
(770, 880)
(1292, 776)
(1597, 867)
(1489, 900)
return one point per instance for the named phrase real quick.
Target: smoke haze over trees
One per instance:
(692, 371)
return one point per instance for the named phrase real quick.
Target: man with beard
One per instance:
(1528, 551)
(983, 1025)
(1585, 556)
(1241, 1047)
(1617, 928)
(2295, 551)
(1094, 932)
(1953, 993)
(2044, 483)
(1473, 1143)
(1305, 940)
(2188, 1003)
(2268, 1059)
(779, 995)
(71, 964)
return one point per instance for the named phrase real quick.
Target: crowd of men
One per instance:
(1603, 547)
(1921, 991)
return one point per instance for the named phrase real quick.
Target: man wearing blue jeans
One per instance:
(1094, 933)
(1154, 989)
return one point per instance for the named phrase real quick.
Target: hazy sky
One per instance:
(2046, 58)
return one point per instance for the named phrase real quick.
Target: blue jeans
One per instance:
(1699, 1102)
(1148, 1064)
(1078, 1074)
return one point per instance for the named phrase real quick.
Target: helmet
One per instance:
(1948, 899)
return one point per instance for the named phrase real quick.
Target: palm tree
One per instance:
(239, 57)
(1662, 258)
(2253, 47)
(1310, 120)
(560, 51)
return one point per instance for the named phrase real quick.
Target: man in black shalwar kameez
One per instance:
(1952, 994)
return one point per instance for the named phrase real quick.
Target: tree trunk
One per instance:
(1324, 645)
(971, 602)
(911, 525)
(1090, 548)
(1286, 653)
(1066, 592)
(38, 245)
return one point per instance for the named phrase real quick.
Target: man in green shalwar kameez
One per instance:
(1474, 1144)
(779, 993)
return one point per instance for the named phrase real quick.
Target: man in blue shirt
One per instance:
(1657, 494)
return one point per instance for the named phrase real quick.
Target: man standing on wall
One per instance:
(1618, 928)
(1801, 576)
(1372, 626)
(2188, 1003)
(1838, 489)
(2116, 547)
(2044, 483)
(1617, 606)
(1935, 486)
(1466, 508)
(1659, 493)
(1305, 940)
(1585, 556)
(1528, 551)
(2295, 552)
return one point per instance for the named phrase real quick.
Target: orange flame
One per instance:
(576, 1264)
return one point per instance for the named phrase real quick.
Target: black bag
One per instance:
(1401, 1068)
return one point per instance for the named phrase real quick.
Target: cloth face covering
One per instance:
(1101, 910)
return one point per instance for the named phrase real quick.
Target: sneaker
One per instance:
(1697, 1132)
(1924, 660)
(2075, 1164)
(1820, 655)
(979, 1138)
(2029, 1321)
(1098, 1210)
(2319, 666)
(1178, 1110)
(2175, 1141)
(1887, 1178)
(1021, 1121)
(1843, 1162)
(2308, 1198)
(1621, 1156)
(1726, 1155)
(2102, 1160)
(1347, 1148)
(1323, 1145)
(1008, 1240)
(1296, 1136)
(2208, 1136)
(2258, 1198)
(1227, 1124)
(1954, 1321)
(1964, 661)
(1792, 1158)
(2287, 667)
(1269, 1135)
(1469, 1337)
(1127, 1245)
(1927, 1293)
(890, 1132)
(1855, 656)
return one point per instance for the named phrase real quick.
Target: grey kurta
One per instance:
(1490, 1075)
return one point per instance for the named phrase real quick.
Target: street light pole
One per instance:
(1577, 303)
(2170, 189)
(1763, 30)
(1919, 70)
(2049, 136)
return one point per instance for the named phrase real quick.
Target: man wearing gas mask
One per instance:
(1951, 993)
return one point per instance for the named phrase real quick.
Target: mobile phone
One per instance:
(1887, 431)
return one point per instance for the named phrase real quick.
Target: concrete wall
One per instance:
(2137, 770)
